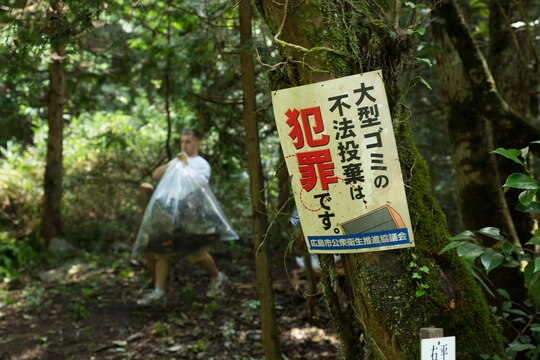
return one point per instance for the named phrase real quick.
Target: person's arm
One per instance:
(158, 173)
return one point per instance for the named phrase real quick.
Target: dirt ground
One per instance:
(85, 309)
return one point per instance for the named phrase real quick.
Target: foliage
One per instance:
(493, 251)
(14, 256)
(127, 67)
(106, 157)
(20, 185)
(418, 275)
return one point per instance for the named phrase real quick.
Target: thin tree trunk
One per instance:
(51, 221)
(263, 263)
(167, 78)
(310, 287)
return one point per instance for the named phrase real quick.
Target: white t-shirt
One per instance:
(201, 167)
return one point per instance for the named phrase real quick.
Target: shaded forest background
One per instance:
(138, 73)
(132, 72)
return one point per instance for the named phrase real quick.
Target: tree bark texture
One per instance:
(491, 104)
(263, 263)
(481, 197)
(472, 135)
(509, 61)
(167, 83)
(51, 218)
(326, 39)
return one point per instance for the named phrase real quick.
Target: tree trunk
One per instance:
(263, 263)
(519, 132)
(509, 60)
(326, 39)
(472, 136)
(167, 83)
(481, 197)
(51, 221)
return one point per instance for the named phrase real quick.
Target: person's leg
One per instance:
(162, 266)
(151, 267)
(159, 266)
(208, 264)
(205, 261)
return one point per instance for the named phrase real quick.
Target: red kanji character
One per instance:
(306, 131)
(317, 127)
(296, 130)
(325, 168)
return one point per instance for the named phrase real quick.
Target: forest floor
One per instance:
(85, 308)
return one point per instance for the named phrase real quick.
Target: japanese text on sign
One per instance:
(438, 348)
(338, 142)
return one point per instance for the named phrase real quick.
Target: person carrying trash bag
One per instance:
(182, 218)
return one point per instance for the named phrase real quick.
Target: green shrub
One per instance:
(482, 257)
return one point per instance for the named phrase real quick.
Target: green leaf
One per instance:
(452, 245)
(520, 181)
(526, 197)
(503, 293)
(537, 264)
(426, 84)
(533, 241)
(511, 263)
(534, 207)
(420, 293)
(464, 235)
(511, 154)
(491, 259)
(528, 272)
(416, 276)
(517, 346)
(425, 61)
(420, 31)
(534, 286)
(424, 269)
(535, 327)
(519, 313)
(470, 250)
(491, 232)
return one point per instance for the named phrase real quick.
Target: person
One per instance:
(159, 266)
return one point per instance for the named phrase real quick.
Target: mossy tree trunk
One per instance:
(263, 264)
(326, 39)
(51, 218)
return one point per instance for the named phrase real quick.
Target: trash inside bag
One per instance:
(182, 215)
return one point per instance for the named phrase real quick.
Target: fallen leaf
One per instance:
(120, 342)
(175, 348)
(135, 336)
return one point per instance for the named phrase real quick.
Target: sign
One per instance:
(438, 348)
(340, 149)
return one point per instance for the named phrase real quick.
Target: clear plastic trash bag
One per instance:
(182, 215)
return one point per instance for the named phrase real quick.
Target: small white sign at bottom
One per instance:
(439, 348)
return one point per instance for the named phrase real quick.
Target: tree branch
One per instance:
(520, 132)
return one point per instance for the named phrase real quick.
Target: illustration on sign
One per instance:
(339, 145)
